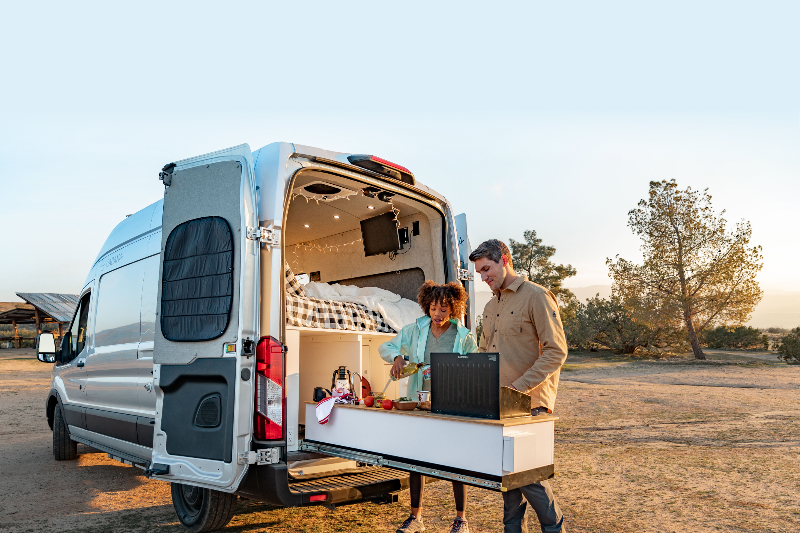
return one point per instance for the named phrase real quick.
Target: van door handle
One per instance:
(81, 363)
(148, 387)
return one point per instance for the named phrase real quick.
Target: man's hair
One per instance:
(452, 295)
(493, 249)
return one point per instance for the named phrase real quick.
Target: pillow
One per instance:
(292, 285)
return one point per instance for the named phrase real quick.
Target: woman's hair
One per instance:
(452, 294)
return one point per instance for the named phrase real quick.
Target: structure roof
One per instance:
(59, 307)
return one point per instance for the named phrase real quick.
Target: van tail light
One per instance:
(270, 398)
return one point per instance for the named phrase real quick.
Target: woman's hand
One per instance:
(397, 367)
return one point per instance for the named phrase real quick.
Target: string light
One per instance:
(328, 248)
(334, 248)
(323, 197)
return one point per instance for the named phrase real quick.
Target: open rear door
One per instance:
(206, 321)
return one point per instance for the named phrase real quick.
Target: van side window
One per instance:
(118, 301)
(78, 328)
(197, 280)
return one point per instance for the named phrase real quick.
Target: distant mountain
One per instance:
(780, 309)
(583, 293)
(481, 299)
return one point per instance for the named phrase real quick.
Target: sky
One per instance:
(530, 115)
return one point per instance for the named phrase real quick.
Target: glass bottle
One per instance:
(409, 369)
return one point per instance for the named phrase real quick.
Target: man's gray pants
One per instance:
(543, 502)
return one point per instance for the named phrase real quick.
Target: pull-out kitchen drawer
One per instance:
(494, 454)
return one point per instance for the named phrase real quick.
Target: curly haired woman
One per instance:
(438, 331)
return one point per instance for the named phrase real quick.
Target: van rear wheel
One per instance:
(201, 509)
(64, 448)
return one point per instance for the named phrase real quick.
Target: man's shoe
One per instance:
(459, 526)
(411, 525)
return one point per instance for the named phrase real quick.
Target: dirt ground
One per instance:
(669, 446)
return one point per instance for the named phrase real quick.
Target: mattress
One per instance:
(307, 312)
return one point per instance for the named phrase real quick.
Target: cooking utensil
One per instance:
(320, 393)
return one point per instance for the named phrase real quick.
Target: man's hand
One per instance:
(397, 367)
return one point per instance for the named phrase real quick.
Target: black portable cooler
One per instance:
(469, 385)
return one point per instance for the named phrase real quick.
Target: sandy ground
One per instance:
(668, 446)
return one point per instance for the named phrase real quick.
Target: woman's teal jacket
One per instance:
(411, 342)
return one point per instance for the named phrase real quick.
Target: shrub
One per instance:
(735, 337)
(777, 330)
(619, 325)
(789, 347)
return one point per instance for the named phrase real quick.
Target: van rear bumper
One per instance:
(270, 484)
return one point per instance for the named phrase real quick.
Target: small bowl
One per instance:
(405, 406)
(424, 406)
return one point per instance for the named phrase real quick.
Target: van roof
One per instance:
(342, 157)
(149, 218)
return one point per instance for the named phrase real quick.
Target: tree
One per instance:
(693, 264)
(533, 259)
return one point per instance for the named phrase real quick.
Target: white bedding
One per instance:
(396, 311)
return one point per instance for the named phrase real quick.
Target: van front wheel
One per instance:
(64, 448)
(202, 509)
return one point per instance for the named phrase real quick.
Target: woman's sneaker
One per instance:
(411, 525)
(459, 526)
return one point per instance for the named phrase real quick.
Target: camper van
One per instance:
(195, 351)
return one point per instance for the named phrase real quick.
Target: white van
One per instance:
(193, 350)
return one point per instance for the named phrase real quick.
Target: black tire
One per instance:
(202, 509)
(64, 449)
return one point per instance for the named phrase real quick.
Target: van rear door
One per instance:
(466, 269)
(206, 320)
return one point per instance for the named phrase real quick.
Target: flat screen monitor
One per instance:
(379, 234)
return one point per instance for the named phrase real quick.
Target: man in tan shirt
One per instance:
(523, 324)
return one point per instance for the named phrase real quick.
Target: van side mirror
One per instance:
(46, 348)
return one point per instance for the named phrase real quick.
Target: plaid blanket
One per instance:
(328, 314)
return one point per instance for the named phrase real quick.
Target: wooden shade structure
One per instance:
(39, 308)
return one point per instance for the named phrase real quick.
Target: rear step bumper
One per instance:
(270, 484)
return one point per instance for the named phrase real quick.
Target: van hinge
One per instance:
(464, 274)
(261, 457)
(269, 235)
(166, 174)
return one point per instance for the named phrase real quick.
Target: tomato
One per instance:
(369, 401)
(388, 404)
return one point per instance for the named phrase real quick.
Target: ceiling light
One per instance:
(306, 225)
(370, 207)
(335, 216)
